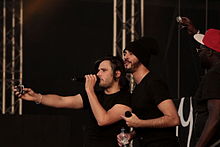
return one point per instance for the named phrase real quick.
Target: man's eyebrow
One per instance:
(102, 68)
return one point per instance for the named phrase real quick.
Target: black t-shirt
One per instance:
(209, 88)
(150, 92)
(104, 136)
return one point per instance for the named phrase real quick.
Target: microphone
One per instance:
(179, 19)
(128, 114)
(82, 79)
(79, 79)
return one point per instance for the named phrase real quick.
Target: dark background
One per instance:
(63, 38)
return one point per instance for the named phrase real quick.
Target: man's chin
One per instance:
(102, 85)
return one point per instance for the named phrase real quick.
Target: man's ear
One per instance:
(117, 74)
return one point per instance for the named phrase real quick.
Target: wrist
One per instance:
(39, 98)
(90, 90)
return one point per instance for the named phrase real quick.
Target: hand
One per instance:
(189, 25)
(90, 82)
(121, 136)
(132, 121)
(28, 94)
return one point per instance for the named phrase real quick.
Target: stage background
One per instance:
(63, 38)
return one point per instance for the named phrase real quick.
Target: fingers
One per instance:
(186, 20)
(119, 139)
(126, 120)
(90, 82)
(131, 121)
(91, 77)
(123, 117)
(20, 92)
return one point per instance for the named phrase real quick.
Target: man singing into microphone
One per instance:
(105, 106)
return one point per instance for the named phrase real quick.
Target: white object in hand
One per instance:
(124, 138)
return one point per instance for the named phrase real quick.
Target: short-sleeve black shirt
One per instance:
(104, 136)
(150, 92)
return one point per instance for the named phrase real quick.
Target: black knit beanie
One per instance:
(143, 48)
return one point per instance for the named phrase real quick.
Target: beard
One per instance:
(105, 84)
(133, 66)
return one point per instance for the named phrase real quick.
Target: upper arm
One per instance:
(168, 108)
(114, 114)
(74, 102)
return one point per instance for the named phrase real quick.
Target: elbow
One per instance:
(173, 121)
(102, 123)
(176, 121)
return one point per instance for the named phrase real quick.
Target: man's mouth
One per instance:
(100, 80)
(126, 63)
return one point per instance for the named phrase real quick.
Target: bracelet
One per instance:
(41, 97)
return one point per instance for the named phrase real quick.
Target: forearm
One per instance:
(57, 101)
(52, 100)
(161, 122)
(98, 111)
(207, 133)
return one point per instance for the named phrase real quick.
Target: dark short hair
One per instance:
(117, 64)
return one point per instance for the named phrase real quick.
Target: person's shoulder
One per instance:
(153, 77)
(155, 82)
(217, 68)
(212, 77)
(124, 92)
(214, 71)
(124, 97)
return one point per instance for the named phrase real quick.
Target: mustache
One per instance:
(127, 61)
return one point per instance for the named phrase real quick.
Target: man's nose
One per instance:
(98, 74)
(126, 56)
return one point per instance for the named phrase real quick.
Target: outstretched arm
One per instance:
(211, 123)
(52, 100)
(102, 116)
(169, 119)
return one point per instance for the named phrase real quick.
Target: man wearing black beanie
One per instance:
(154, 115)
